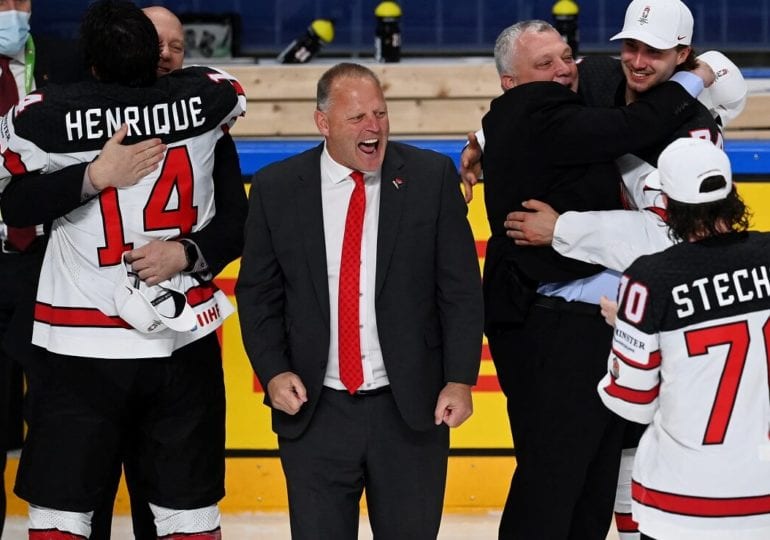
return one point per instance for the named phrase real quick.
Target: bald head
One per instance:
(157, 14)
(171, 36)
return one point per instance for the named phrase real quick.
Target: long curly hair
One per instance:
(697, 221)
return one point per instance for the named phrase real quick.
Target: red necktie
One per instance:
(351, 371)
(20, 238)
(9, 93)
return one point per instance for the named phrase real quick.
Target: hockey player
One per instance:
(92, 313)
(689, 356)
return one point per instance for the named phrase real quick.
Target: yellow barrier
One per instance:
(256, 483)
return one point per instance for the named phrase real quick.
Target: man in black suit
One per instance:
(546, 337)
(364, 374)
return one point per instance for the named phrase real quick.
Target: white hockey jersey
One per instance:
(691, 355)
(615, 238)
(76, 312)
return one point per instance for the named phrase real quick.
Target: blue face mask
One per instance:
(14, 30)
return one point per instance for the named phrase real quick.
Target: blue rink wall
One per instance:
(750, 158)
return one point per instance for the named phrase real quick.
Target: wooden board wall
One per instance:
(425, 99)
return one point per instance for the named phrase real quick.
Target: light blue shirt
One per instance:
(605, 283)
(589, 289)
(689, 81)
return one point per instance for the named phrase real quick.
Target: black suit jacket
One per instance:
(427, 294)
(603, 84)
(543, 142)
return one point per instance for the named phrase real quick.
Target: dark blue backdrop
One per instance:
(750, 159)
(434, 26)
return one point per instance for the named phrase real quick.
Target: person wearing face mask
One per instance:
(25, 64)
(20, 250)
(14, 29)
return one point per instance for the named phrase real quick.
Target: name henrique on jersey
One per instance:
(189, 110)
(691, 356)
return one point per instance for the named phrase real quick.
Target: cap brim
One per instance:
(652, 180)
(729, 111)
(136, 310)
(705, 98)
(152, 309)
(646, 38)
(139, 312)
(184, 319)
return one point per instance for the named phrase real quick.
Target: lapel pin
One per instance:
(398, 182)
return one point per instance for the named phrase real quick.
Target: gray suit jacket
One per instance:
(427, 286)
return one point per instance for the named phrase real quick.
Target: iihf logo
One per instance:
(645, 14)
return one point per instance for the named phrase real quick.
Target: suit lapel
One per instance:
(393, 193)
(310, 217)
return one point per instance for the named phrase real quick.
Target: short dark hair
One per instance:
(343, 69)
(119, 43)
(697, 221)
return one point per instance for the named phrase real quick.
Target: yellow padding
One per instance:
(257, 485)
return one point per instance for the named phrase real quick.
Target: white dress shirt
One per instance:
(336, 188)
(18, 68)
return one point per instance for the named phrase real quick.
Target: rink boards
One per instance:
(481, 459)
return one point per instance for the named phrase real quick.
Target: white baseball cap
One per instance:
(727, 96)
(685, 164)
(662, 24)
(151, 309)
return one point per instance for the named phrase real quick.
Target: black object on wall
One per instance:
(212, 35)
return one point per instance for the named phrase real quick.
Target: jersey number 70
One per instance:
(735, 335)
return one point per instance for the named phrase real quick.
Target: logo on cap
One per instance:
(151, 309)
(645, 14)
